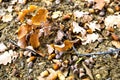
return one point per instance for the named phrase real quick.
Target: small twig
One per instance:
(25, 49)
(109, 51)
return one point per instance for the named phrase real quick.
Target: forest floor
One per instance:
(56, 39)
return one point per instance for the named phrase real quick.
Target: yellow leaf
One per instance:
(34, 39)
(40, 16)
(65, 46)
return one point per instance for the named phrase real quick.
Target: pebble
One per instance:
(44, 73)
(91, 10)
(75, 71)
(102, 13)
(30, 70)
(75, 58)
(15, 73)
(81, 75)
(81, 70)
(98, 76)
(30, 64)
(56, 14)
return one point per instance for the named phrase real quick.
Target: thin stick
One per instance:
(109, 51)
(25, 49)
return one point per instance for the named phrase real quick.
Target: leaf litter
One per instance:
(39, 23)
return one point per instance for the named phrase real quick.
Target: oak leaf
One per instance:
(41, 16)
(65, 46)
(22, 14)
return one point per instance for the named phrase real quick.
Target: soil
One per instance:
(105, 67)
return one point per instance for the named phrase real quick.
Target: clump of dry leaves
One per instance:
(30, 28)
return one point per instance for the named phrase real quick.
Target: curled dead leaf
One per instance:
(34, 39)
(41, 16)
(22, 14)
(65, 46)
(22, 31)
(32, 8)
(22, 42)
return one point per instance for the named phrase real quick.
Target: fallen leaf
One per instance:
(94, 26)
(7, 57)
(50, 48)
(22, 31)
(34, 39)
(65, 46)
(116, 44)
(90, 38)
(78, 29)
(22, 1)
(79, 14)
(7, 18)
(32, 8)
(2, 47)
(99, 4)
(22, 42)
(112, 20)
(60, 35)
(41, 16)
(23, 13)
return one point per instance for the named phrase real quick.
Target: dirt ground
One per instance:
(100, 67)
